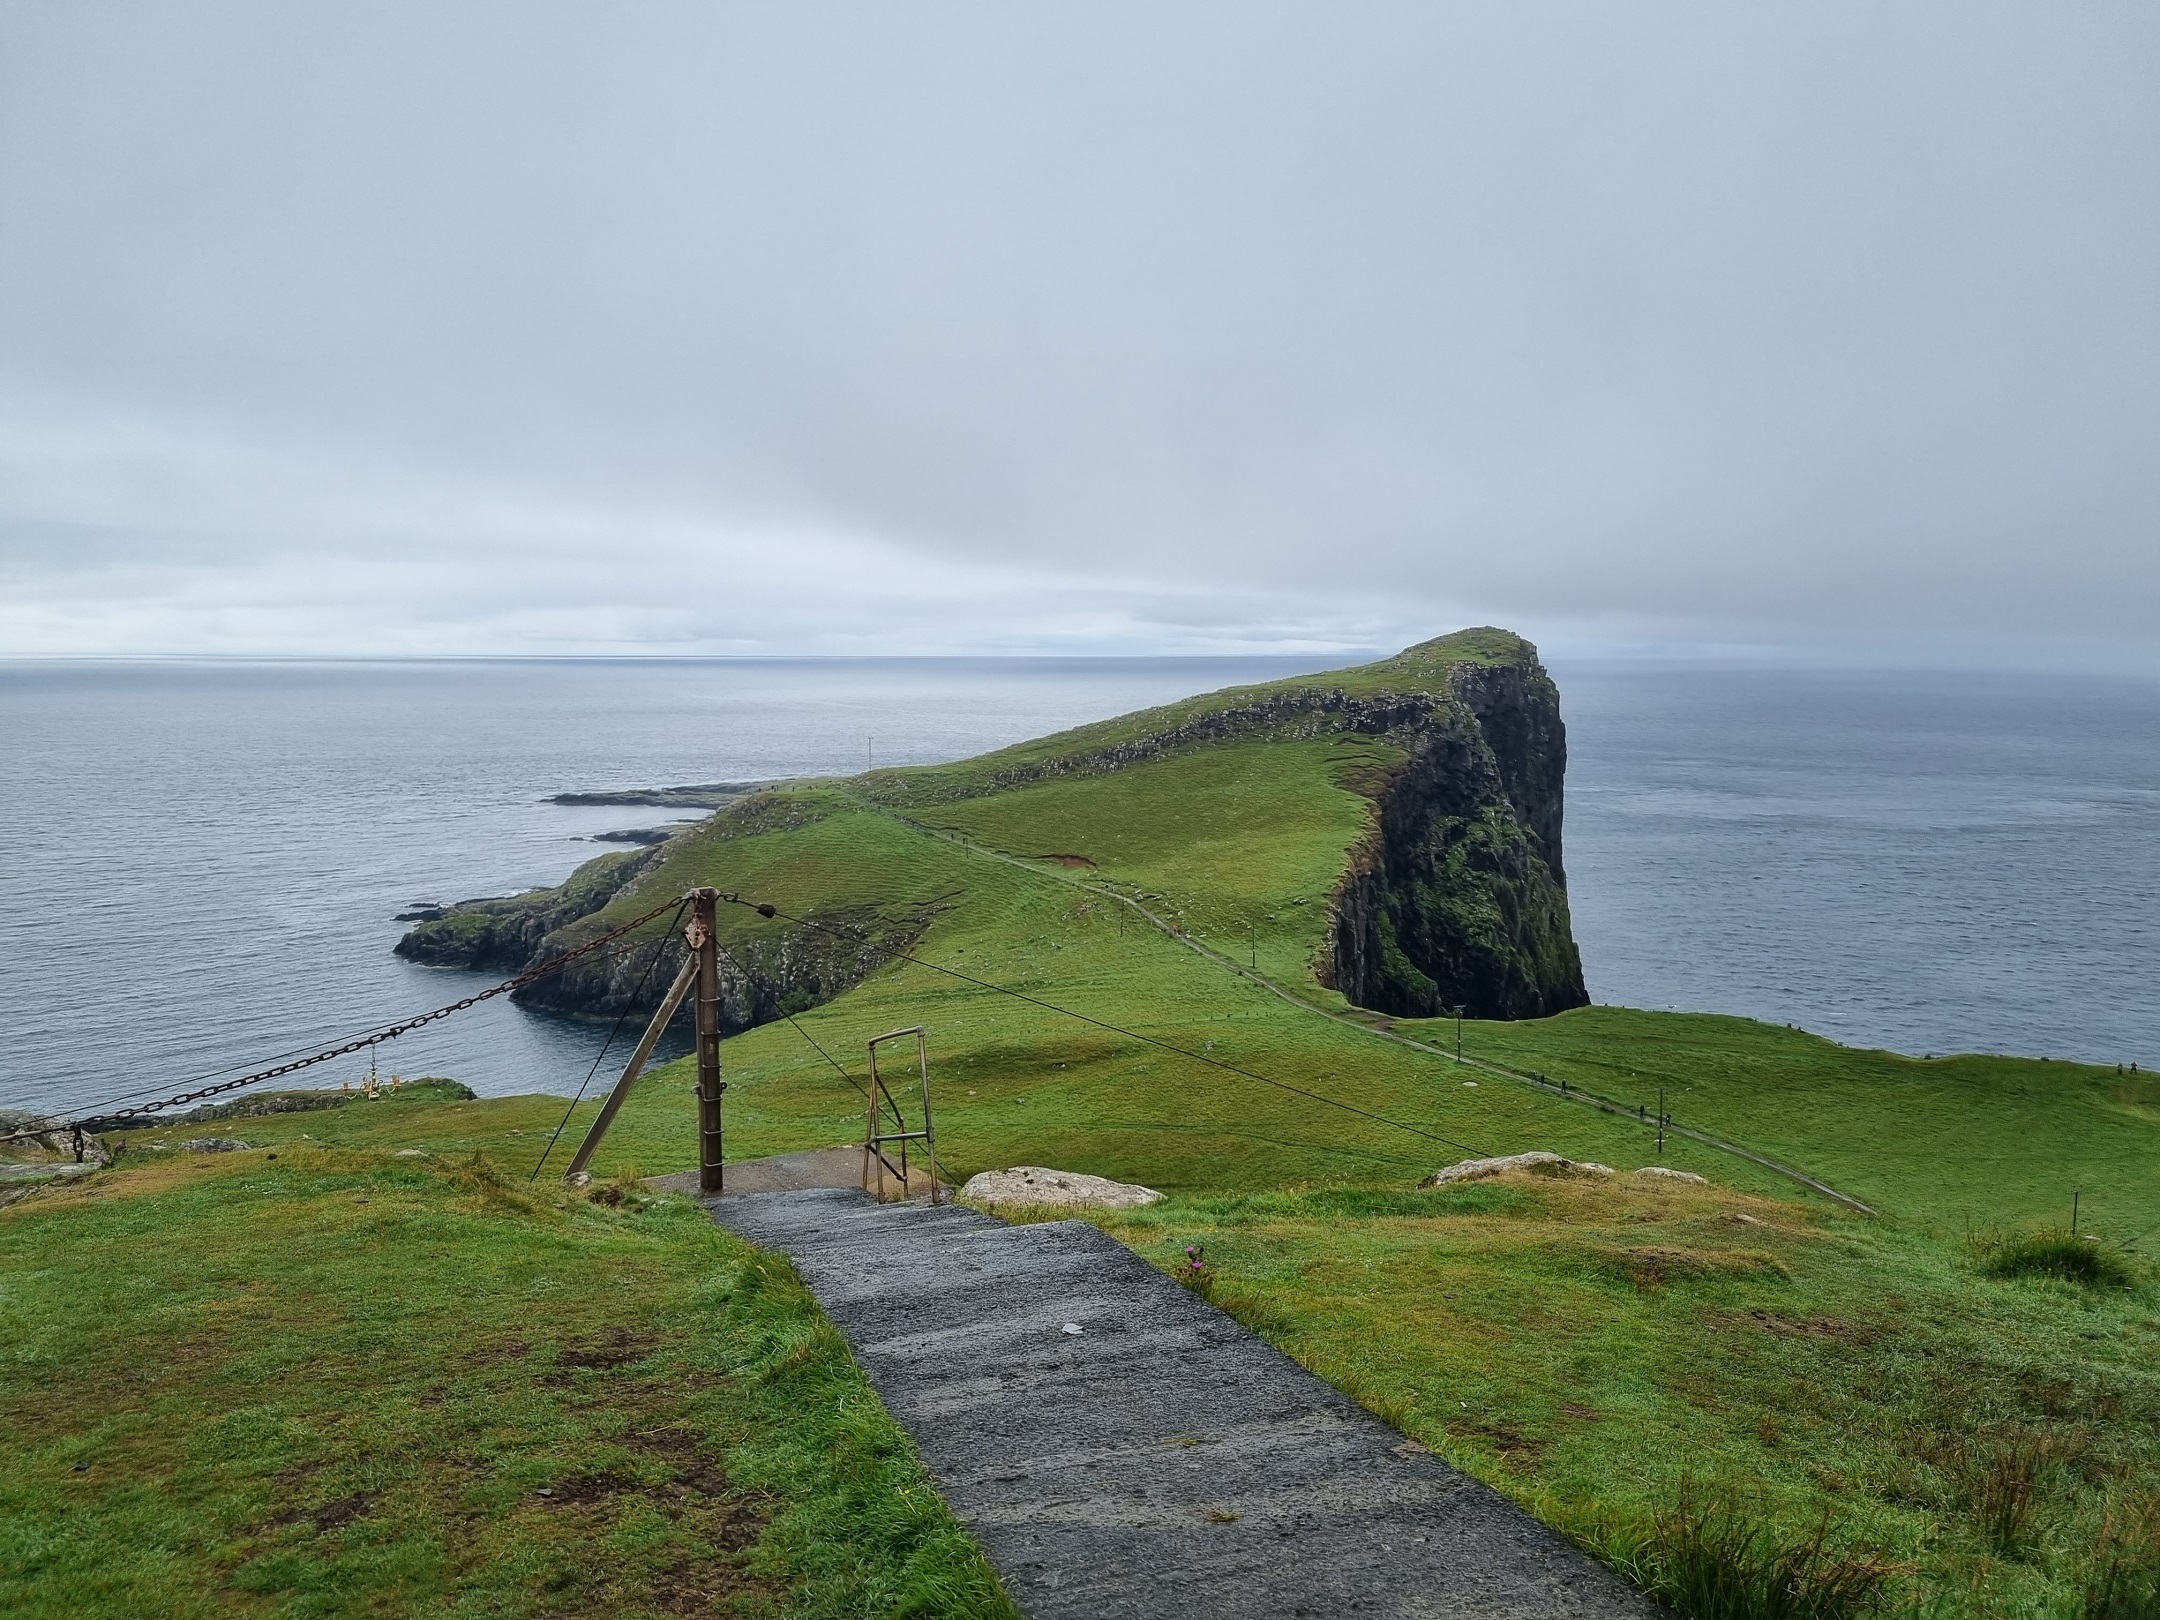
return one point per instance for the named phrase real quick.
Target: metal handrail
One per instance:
(875, 1158)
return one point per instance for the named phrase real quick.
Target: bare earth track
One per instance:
(1162, 1460)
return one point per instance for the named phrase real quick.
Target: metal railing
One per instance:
(878, 1166)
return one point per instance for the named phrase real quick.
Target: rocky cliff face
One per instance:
(1458, 895)
(760, 979)
(502, 935)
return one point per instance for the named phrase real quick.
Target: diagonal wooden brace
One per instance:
(660, 1017)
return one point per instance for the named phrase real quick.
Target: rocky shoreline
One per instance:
(694, 796)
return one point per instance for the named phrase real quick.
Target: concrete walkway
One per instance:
(1162, 1462)
(798, 1172)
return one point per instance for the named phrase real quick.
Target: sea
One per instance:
(203, 860)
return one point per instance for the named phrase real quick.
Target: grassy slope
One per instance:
(1241, 843)
(1011, 1075)
(1598, 1349)
(1423, 668)
(337, 1382)
(1960, 1141)
(1244, 841)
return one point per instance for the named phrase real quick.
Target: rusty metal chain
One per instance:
(114, 1120)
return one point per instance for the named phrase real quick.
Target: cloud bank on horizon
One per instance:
(843, 327)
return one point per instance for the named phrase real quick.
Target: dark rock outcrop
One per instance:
(692, 796)
(762, 978)
(639, 835)
(1458, 896)
(503, 934)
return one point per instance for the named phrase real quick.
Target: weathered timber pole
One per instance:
(705, 944)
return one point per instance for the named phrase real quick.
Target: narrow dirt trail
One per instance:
(1122, 1450)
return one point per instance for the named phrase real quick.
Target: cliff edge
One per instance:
(1458, 897)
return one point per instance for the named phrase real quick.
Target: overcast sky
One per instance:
(463, 327)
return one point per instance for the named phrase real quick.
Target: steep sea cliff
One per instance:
(1458, 898)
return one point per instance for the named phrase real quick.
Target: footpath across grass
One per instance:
(1651, 1365)
(318, 1381)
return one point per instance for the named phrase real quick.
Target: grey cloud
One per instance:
(1124, 325)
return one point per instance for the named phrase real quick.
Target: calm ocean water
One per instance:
(203, 858)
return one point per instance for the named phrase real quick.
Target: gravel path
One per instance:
(1162, 1461)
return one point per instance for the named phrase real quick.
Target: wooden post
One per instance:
(705, 944)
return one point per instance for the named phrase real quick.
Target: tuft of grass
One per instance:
(1717, 1558)
(2005, 1482)
(2124, 1581)
(2059, 1253)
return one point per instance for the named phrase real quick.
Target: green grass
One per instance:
(1960, 1141)
(1717, 1559)
(1957, 1143)
(2059, 1253)
(1421, 670)
(1244, 842)
(1740, 1384)
(1239, 843)
(1663, 1378)
(338, 1382)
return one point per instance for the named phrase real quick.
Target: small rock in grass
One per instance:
(1074, 1327)
(1543, 1164)
(1031, 1184)
(410, 1153)
(214, 1144)
(31, 1174)
(1673, 1175)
